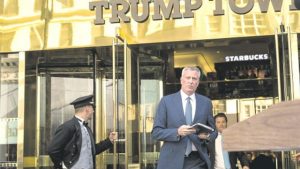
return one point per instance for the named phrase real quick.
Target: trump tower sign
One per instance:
(171, 9)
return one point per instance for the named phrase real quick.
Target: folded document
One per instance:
(202, 128)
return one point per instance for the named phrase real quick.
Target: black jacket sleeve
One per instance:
(103, 145)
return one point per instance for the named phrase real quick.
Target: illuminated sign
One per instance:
(246, 57)
(171, 10)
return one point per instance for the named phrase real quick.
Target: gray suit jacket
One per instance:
(169, 117)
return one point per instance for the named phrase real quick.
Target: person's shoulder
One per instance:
(70, 124)
(71, 121)
(171, 96)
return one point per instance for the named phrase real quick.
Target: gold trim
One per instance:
(100, 117)
(30, 161)
(38, 118)
(21, 109)
(278, 65)
(290, 64)
(294, 66)
(125, 69)
(114, 92)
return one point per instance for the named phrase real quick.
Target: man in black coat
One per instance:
(216, 151)
(263, 161)
(73, 143)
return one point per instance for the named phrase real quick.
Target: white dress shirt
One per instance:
(219, 160)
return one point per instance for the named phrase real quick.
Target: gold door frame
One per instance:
(118, 40)
(293, 67)
(294, 64)
(21, 110)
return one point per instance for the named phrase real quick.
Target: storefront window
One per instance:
(8, 110)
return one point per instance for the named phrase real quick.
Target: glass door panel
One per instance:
(151, 92)
(287, 61)
(62, 76)
(9, 111)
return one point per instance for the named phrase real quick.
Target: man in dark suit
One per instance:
(73, 143)
(183, 147)
(217, 153)
(263, 161)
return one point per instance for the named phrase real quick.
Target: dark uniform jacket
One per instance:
(263, 161)
(233, 156)
(66, 144)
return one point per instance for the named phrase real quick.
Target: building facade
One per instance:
(129, 54)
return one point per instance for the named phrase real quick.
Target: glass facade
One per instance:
(11, 117)
(247, 62)
(128, 82)
(9, 110)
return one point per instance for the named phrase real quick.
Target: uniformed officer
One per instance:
(73, 143)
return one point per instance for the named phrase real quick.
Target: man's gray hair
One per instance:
(79, 109)
(191, 68)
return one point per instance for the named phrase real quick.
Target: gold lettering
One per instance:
(264, 5)
(119, 14)
(159, 5)
(189, 8)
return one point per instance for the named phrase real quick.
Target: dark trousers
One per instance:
(193, 161)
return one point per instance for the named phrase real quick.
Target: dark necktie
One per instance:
(85, 123)
(188, 118)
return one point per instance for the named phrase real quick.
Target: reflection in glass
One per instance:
(63, 91)
(8, 109)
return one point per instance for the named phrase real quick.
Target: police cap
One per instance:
(83, 101)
